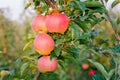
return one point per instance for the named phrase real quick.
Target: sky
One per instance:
(15, 7)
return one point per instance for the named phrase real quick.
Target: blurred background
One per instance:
(15, 27)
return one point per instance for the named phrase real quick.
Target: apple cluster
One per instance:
(44, 43)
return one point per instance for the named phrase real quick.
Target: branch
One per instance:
(113, 26)
(37, 76)
(51, 4)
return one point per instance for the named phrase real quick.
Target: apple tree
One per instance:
(70, 43)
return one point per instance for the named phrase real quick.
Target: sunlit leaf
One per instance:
(24, 67)
(115, 3)
(27, 5)
(28, 44)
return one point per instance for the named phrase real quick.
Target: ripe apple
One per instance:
(39, 24)
(45, 64)
(85, 66)
(44, 44)
(92, 73)
(56, 22)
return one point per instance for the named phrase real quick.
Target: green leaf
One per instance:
(82, 5)
(98, 77)
(62, 63)
(72, 50)
(18, 61)
(106, 0)
(28, 44)
(37, 3)
(92, 4)
(48, 76)
(24, 67)
(84, 36)
(83, 18)
(115, 3)
(57, 51)
(27, 5)
(83, 25)
(111, 72)
(94, 52)
(119, 70)
(58, 42)
(115, 49)
(75, 30)
(100, 10)
(100, 68)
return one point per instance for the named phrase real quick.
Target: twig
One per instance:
(51, 4)
(113, 26)
(37, 76)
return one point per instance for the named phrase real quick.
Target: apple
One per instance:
(44, 44)
(39, 24)
(57, 22)
(92, 73)
(45, 64)
(85, 66)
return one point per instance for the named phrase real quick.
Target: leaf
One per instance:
(18, 61)
(75, 30)
(100, 10)
(72, 50)
(83, 25)
(93, 4)
(62, 63)
(37, 3)
(27, 5)
(94, 52)
(28, 45)
(48, 76)
(58, 42)
(111, 72)
(119, 70)
(82, 5)
(98, 77)
(115, 3)
(83, 18)
(27, 58)
(100, 68)
(84, 36)
(24, 67)
(57, 50)
(115, 49)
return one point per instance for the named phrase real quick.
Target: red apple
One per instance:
(44, 44)
(92, 73)
(85, 66)
(39, 24)
(45, 64)
(56, 22)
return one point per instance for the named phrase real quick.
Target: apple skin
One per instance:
(85, 66)
(45, 64)
(44, 44)
(92, 72)
(39, 24)
(57, 23)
